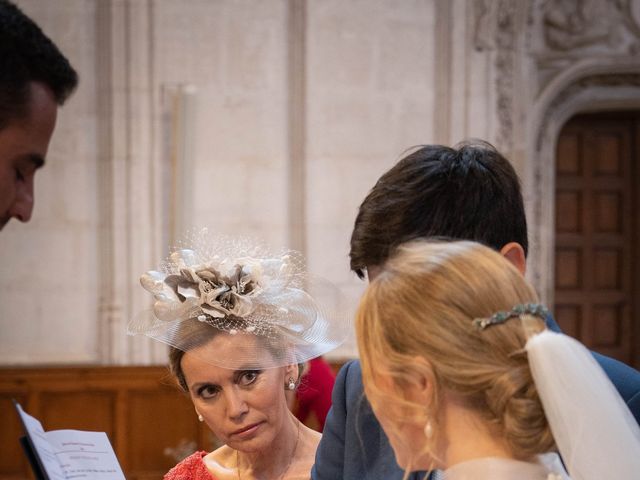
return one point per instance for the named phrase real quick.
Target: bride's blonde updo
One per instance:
(422, 304)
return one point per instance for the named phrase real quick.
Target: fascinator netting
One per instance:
(244, 293)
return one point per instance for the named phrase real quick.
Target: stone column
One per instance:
(129, 229)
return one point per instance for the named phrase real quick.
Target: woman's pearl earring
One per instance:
(292, 384)
(428, 430)
(200, 418)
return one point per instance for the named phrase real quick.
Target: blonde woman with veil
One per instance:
(465, 378)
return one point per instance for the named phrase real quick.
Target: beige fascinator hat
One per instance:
(235, 288)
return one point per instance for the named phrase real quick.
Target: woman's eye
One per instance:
(248, 378)
(207, 391)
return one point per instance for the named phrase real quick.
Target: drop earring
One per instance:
(200, 418)
(428, 430)
(292, 384)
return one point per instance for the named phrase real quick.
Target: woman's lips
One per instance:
(246, 432)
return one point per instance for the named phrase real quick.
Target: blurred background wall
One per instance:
(273, 118)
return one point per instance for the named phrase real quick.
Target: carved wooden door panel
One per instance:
(597, 259)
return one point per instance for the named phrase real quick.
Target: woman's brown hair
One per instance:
(195, 334)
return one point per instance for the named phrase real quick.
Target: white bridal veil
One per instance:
(596, 434)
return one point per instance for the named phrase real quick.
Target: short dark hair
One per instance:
(469, 192)
(28, 55)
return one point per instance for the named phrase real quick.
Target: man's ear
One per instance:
(514, 252)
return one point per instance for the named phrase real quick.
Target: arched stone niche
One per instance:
(557, 58)
(588, 87)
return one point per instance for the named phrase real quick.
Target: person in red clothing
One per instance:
(244, 407)
(241, 322)
(313, 395)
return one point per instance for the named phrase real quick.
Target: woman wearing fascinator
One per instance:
(464, 377)
(239, 321)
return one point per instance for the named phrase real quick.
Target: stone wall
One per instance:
(272, 118)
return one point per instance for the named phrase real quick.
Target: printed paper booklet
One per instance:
(68, 454)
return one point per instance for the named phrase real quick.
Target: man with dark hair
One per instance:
(469, 192)
(35, 78)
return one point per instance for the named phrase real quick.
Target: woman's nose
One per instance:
(236, 404)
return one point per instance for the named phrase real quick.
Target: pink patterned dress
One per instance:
(191, 468)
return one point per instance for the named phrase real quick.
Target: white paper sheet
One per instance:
(72, 454)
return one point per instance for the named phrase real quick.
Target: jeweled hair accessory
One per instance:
(242, 288)
(534, 309)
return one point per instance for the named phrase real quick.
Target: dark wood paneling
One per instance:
(150, 423)
(164, 417)
(607, 265)
(93, 411)
(598, 231)
(568, 265)
(12, 462)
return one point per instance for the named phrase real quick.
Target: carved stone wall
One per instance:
(585, 56)
(273, 119)
(565, 32)
(554, 59)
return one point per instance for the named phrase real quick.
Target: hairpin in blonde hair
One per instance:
(534, 309)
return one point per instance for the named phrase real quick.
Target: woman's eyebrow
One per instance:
(247, 368)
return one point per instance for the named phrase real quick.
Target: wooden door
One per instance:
(597, 259)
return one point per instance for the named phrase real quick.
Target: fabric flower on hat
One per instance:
(241, 287)
(217, 289)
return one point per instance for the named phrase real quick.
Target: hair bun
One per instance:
(514, 401)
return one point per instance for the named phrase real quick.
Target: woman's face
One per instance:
(244, 408)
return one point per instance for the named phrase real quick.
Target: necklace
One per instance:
(293, 452)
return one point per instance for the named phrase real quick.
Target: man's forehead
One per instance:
(25, 138)
(18, 147)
